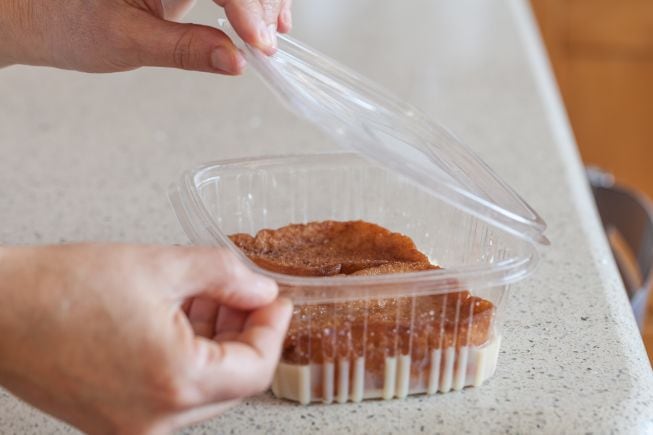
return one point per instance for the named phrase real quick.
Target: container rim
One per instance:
(201, 229)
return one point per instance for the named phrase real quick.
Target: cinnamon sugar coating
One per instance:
(327, 248)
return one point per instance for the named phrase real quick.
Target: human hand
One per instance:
(142, 339)
(119, 35)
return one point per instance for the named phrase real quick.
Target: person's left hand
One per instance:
(119, 35)
(135, 339)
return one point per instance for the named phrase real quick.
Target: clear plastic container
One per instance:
(384, 336)
(245, 196)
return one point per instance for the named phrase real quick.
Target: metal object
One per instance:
(627, 217)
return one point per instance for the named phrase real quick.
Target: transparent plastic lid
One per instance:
(362, 117)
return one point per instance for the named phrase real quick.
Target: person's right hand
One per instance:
(120, 35)
(137, 339)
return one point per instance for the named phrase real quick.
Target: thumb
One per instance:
(186, 46)
(244, 366)
(219, 275)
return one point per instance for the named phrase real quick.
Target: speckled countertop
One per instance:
(86, 157)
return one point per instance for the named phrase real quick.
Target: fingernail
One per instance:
(272, 30)
(285, 301)
(287, 306)
(224, 60)
(264, 35)
(268, 35)
(240, 61)
(265, 286)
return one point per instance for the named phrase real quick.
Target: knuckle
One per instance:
(173, 391)
(271, 5)
(182, 53)
(271, 8)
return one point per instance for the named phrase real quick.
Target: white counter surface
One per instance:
(86, 157)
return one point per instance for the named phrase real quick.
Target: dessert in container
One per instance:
(383, 336)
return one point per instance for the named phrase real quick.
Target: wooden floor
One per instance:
(602, 55)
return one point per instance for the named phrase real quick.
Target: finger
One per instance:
(218, 274)
(250, 20)
(230, 321)
(244, 367)
(284, 24)
(185, 46)
(202, 316)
